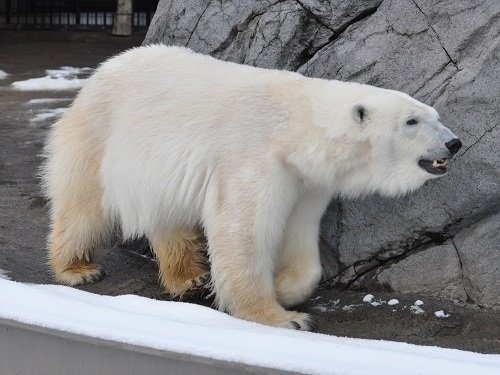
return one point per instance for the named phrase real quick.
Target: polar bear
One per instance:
(178, 146)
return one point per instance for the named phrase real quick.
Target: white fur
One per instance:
(252, 155)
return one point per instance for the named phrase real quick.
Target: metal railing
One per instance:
(70, 14)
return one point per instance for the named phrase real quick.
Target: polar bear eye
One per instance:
(359, 113)
(412, 121)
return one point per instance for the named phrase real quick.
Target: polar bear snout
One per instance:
(438, 165)
(453, 146)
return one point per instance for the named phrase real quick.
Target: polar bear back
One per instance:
(225, 111)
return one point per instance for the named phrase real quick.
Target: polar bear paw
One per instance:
(299, 321)
(283, 318)
(86, 273)
(199, 282)
(189, 288)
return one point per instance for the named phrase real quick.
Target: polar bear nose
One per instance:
(454, 145)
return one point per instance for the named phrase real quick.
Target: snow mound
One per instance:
(199, 330)
(441, 314)
(47, 114)
(65, 78)
(3, 74)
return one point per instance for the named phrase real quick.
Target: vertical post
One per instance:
(7, 12)
(123, 18)
(77, 13)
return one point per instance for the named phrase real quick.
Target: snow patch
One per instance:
(349, 308)
(47, 101)
(416, 310)
(3, 274)
(441, 314)
(65, 78)
(418, 303)
(326, 306)
(393, 302)
(3, 74)
(199, 330)
(368, 298)
(320, 308)
(48, 114)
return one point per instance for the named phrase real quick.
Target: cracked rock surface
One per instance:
(444, 239)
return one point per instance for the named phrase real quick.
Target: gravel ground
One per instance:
(23, 215)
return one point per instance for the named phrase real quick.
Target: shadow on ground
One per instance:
(23, 214)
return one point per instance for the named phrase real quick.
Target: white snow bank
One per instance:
(47, 114)
(198, 330)
(3, 74)
(3, 274)
(65, 78)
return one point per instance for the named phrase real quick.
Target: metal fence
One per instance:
(70, 14)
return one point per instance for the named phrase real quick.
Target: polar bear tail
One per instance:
(71, 182)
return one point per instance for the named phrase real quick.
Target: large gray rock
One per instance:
(445, 54)
(478, 247)
(436, 270)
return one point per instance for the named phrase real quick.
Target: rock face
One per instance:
(444, 239)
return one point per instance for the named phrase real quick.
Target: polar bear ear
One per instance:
(359, 113)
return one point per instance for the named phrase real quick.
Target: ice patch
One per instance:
(47, 101)
(3, 74)
(441, 314)
(393, 302)
(198, 330)
(48, 114)
(320, 308)
(326, 306)
(69, 72)
(368, 298)
(3, 274)
(349, 308)
(416, 310)
(65, 78)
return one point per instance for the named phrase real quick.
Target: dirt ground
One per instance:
(23, 215)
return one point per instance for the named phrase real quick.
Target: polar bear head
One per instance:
(383, 140)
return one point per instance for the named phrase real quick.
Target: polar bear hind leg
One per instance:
(72, 184)
(183, 266)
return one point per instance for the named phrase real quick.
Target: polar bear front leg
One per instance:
(298, 266)
(245, 229)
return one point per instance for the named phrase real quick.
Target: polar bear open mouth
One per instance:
(434, 166)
